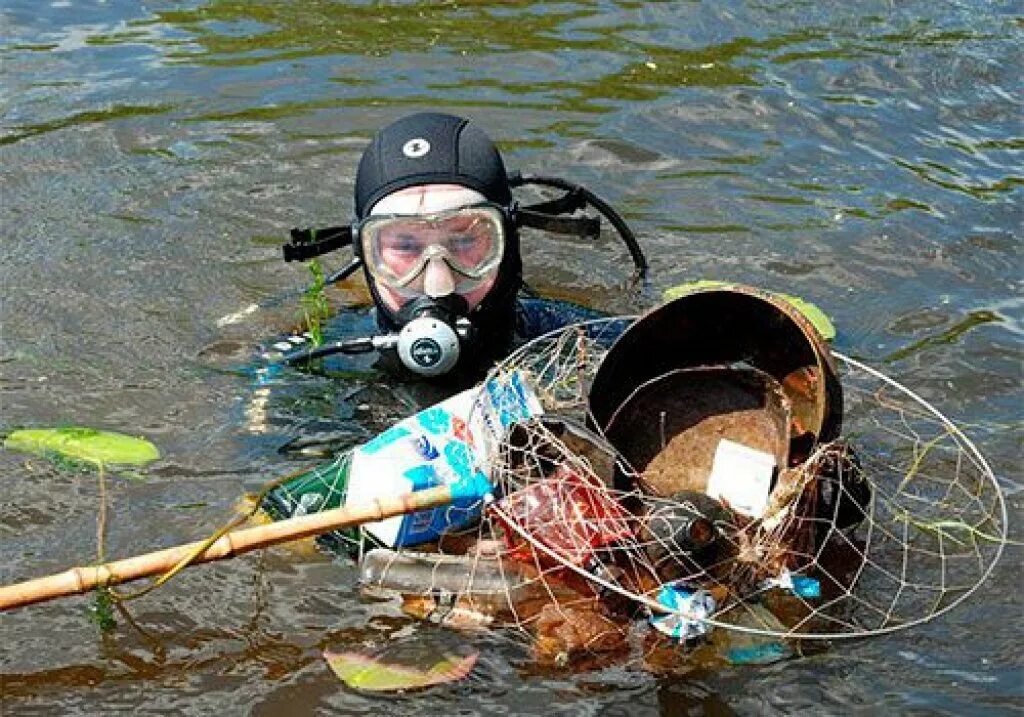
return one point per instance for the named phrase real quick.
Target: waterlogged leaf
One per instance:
(374, 674)
(83, 444)
(810, 311)
(674, 292)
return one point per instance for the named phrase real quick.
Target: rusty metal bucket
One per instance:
(725, 363)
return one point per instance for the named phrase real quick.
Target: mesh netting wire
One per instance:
(930, 533)
(896, 523)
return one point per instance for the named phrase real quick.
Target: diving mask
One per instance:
(398, 248)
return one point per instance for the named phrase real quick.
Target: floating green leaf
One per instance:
(83, 444)
(674, 292)
(818, 318)
(810, 311)
(374, 675)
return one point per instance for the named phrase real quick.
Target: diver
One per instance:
(436, 233)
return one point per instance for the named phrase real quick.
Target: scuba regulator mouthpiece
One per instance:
(430, 341)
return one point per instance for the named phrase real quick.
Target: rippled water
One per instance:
(866, 156)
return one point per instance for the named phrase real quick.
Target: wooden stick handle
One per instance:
(80, 580)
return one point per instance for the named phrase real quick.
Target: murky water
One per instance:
(866, 156)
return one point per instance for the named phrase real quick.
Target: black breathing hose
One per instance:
(609, 213)
(349, 346)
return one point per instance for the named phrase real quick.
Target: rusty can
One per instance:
(734, 364)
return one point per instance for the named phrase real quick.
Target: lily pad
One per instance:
(373, 674)
(818, 318)
(83, 444)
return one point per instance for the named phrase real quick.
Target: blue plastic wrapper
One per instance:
(689, 610)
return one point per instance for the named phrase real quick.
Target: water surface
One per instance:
(866, 156)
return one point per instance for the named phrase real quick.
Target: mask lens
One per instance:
(470, 240)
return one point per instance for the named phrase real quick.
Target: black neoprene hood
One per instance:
(430, 148)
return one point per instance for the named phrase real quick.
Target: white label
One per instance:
(742, 476)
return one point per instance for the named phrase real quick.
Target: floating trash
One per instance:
(710, 465)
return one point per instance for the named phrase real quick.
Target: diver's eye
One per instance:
(462, 243)
(404, 244)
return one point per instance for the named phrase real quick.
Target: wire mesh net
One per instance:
(889, 527)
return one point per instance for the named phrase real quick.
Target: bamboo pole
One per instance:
(76, 581)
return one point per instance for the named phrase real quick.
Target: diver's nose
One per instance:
(438, 280)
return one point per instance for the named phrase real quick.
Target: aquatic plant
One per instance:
(315, 308)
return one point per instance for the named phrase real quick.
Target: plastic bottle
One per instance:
(490, 586)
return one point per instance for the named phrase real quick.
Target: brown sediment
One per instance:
(670, 428)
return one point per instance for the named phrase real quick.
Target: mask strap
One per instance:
(588, 227)
(565, 204)
(310, 243)
(577, 197)
(543, 215)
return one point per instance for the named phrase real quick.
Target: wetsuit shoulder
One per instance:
(536, 316)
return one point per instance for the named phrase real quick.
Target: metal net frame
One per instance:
(576, 553)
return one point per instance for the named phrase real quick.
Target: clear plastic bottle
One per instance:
(490, 586)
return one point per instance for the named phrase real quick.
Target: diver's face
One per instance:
(438, 251)
(438, 280)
